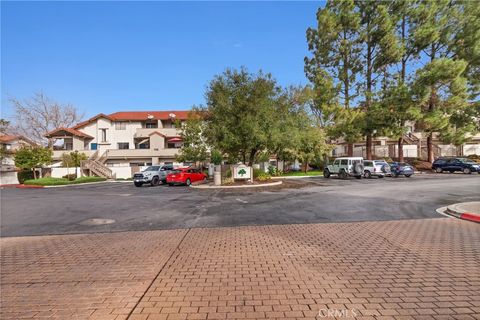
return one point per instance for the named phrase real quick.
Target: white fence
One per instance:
(119, 172)
(63, 171)
(469, 149)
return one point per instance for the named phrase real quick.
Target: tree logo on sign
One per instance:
(242, 172)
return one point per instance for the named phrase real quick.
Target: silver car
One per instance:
(375, 168)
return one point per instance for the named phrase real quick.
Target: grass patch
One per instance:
(302, 173)
(49, 181)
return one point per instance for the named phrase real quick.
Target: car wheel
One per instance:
(138, 184)
(438, 170)
(343, 175)
(408, 175)
(367, 174)
(326, 173)
(467, 171)
(188, 182)
(155, 181)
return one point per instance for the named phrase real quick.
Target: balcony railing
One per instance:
(57, 154)
(145, 132)
(141, 153)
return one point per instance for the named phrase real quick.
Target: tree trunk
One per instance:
(251, 159)
(350, 150)
(430, 148)
(368, 145)
(34, 174)
(400, 149)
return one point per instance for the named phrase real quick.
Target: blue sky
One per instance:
(112, 56)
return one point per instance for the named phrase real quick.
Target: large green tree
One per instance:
(334, 66)
(194, 148)
(381, 49)
(240, 113)
(31, 157)
(441, 31)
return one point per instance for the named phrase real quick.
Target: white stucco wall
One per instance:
(469, 149)
(63, 171)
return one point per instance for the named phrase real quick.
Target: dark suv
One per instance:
(452, 164)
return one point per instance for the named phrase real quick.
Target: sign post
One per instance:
(243, 172)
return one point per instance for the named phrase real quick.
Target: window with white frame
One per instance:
(120, 125)
(123, 145)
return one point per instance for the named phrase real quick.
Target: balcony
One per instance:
(146, 132)
(57, 154)
(141, 153)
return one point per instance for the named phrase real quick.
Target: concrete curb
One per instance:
(296, 177)
(466, 210)
(79, 184)
(203, 186)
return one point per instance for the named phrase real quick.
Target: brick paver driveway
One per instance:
(413, 269)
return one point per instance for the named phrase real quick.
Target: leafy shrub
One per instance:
(262, 176)
(216, 157)
(70, 177)
(49, 181)
(273, 171)
(422, 165)
(24, 175)
(387, 159)
(256, 172)
(474, 157)
(88, 179)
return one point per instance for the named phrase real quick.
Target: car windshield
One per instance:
(177, 171)
(380, 163)
(467, 161)
(152, 168)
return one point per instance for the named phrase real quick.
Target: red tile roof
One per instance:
(69, 130)
(8, 138)
(84, 123)
(137, 116)
(145, 115)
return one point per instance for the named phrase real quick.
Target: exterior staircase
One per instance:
(421, 146)
(97, 166)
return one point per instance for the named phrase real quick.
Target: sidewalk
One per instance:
(410, 269)
(465, 210)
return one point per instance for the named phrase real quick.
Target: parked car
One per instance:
(452, 164)
(401, 169)
(375, 168)
(153, 175)
(185, 176)
(345, 167)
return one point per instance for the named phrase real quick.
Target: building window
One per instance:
(151, 125)
(104, 135)
(120, 125)
(123, 145)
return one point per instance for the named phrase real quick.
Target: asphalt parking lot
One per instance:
(315, 200)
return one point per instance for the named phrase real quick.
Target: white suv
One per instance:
(375, 168)
(345, 167)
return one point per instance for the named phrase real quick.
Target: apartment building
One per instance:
(135, 138)
(10, 144)
(415, 146)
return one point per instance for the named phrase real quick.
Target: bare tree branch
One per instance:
(40, 114)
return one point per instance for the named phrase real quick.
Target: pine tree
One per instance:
(381, 49)
(440, 31)
(333, 69)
